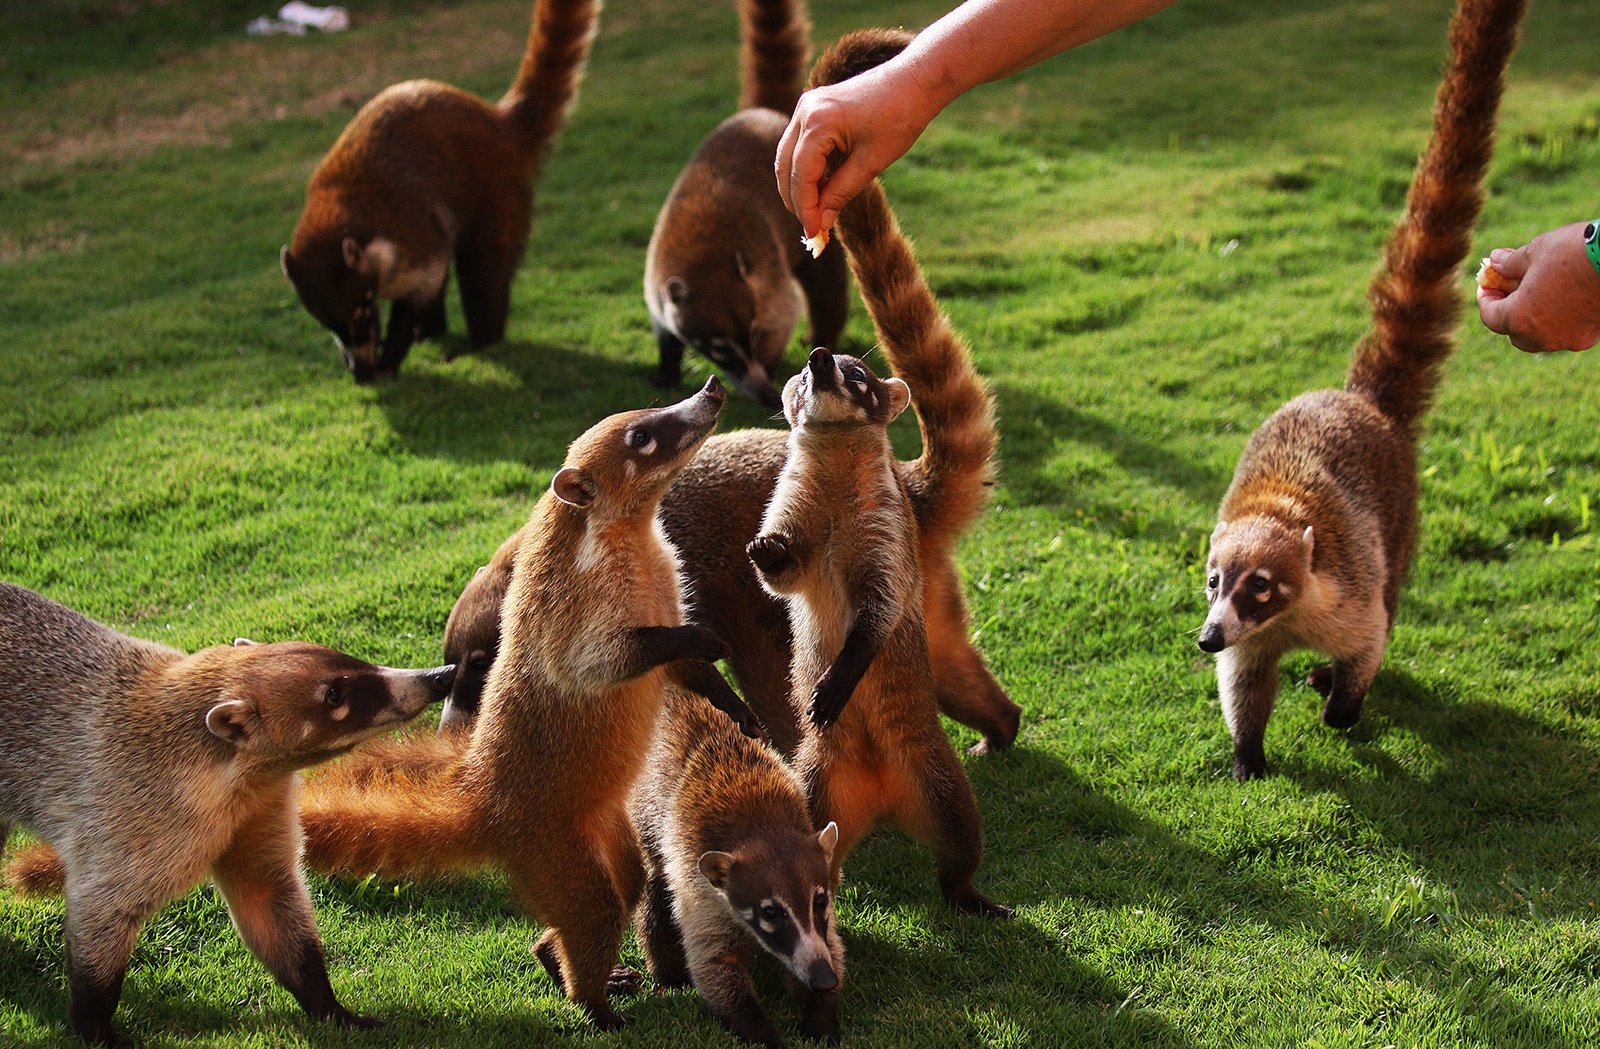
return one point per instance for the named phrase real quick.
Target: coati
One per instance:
(424, 174)
(714, 508)
(734, 867)
(839, 543)
(472, 633)
(1317, 530)
(148, 770)
(592, 630)
(725, 269)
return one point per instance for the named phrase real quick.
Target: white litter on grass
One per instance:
(295, 17)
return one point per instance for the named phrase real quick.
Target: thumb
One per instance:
(1511, 262)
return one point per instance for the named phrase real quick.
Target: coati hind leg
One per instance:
(941, 811)
(258, 874)
(105, 912)
(1247, 679)
(669, 371)
(484, 269)
(826, 283)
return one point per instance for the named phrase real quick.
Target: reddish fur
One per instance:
(776, 46)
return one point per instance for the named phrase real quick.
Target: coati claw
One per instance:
(827, 701)
(624, 979)
(769, 552)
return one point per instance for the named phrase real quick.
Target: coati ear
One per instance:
(1308, 543)
(574, 486)
(286, 263)
(230, 720)
(899, 395)
(677, 289)
(714, 867)
(1216, 533)
(744, 264)
(828, 838)
(241, 642)
(352, 253)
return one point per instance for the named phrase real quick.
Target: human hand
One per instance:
(870, 119)
(1555, 301)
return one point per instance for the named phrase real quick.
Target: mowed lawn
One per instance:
(1150, 243)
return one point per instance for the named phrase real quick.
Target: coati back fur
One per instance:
(147, 771)
(725, 269)
(714, 508)
(1317, 530)
(839, 543)
(592, 624)
(734, 867)
(425, 174)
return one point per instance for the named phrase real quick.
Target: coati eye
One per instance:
(821, 903)
(638, 438)
(333, 697)
(771, 912)
(1211, 584)
(855, 374)
(1260, 584)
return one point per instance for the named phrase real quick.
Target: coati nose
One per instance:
(822, 976)
(714, 388)
(1211, 639)
(820, 360)
(438, 680)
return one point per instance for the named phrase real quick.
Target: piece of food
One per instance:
(816, 244)
(1489, 277)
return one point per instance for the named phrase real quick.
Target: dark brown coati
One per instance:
(473, 633)
(714, 508)
(593, 629)
(147, 771)
(725, 269)
(734, 867)
(839, 543)
(1317, 530)
(425, 174)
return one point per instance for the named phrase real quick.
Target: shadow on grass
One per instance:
(1504, 791)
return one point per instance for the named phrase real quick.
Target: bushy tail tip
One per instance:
(856, 52)
(36, 871)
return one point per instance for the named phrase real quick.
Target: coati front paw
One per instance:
(624, 979)
(701, 643)
(770, 553)
(828, 700)
(1321, 679)
(359, 1023)
(1249, 763)
(1341, 711)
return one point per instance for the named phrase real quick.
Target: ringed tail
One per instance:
(552, 67)
(1414, 296)
(775, 47)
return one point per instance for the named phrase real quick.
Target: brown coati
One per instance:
(593, 629)
(734, 867)
(425, 174)
(725, 269)
(1317, 530)
(839, 544)
(147, 771)
(714, 508)
(473, 633)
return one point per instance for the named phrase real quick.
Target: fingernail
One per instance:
(828, 218)
(1500, 256)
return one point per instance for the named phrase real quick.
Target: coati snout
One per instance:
(339, 287)
(303, 703)
(1256, 571)
(838, 388)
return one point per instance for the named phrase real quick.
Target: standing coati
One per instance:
(724, 262)
(148, 770)
(1317, 530)
(425, 173)
(839, 544)
(734, 866)
(593, 629)
(714, 507)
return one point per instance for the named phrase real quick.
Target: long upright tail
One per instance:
(1415, 298)
(393, 810)
(950, 484)
(776, 37)
(552, 66)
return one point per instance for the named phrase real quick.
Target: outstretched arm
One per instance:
(875, 117)
(700, 676)
(874, 622)
(1554, 299)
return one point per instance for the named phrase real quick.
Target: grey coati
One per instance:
(714, 508)
(734, 868)
(147, 771)
(426, 174)
(593, 629)
(1317, 530)
(839, 543)
(725, 271)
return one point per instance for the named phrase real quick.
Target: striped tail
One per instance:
(776, 37)
(552, 66)
(950, 484)
(395, 810)
(1415, 298)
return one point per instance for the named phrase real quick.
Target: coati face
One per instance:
(780, 889)
(837, 389)
(338, 285)
(623, 464)
(1257, 571)
(736, 322)
(295, 704)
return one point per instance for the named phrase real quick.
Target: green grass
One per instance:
(1151, 243)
